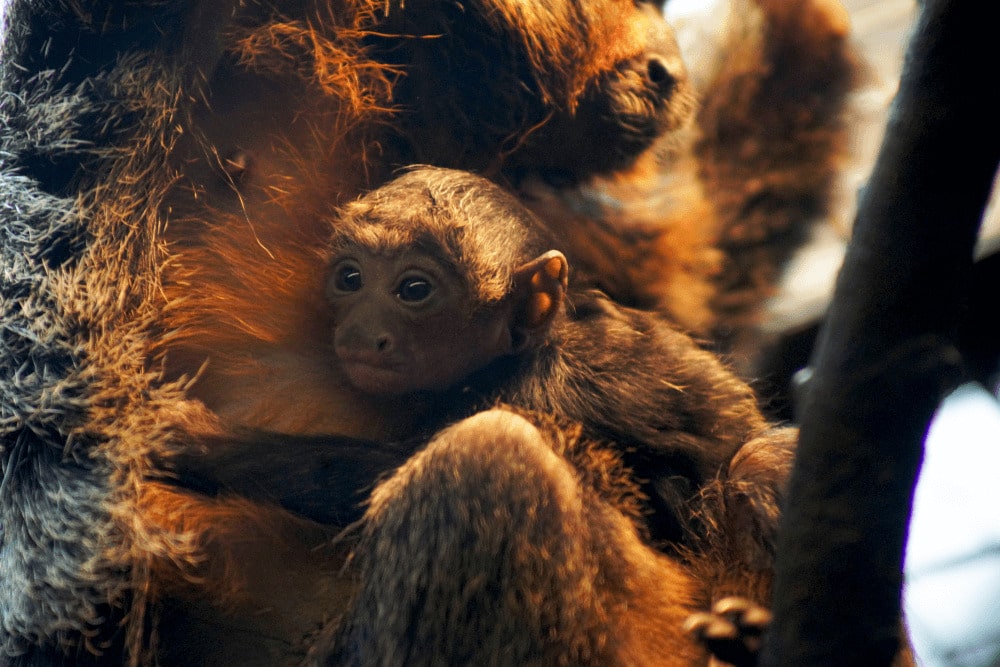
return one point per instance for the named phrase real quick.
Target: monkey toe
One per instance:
(732, 631)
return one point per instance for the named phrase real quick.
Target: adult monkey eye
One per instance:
(414, 290)
(347, 278)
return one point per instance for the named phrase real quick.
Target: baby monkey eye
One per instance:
(414, 290)
(347, 278)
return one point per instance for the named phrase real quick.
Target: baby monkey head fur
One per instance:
(434, 276)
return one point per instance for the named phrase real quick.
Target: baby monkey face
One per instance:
(406, 322)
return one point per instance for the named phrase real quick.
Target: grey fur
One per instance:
(80, 413)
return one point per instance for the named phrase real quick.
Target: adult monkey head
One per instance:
(563, 89)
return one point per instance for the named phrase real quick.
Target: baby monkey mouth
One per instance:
(374, 372)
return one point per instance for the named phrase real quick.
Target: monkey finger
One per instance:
(749, 617)
(706, 626)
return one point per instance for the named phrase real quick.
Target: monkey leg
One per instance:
(735, 519)
(486, 549)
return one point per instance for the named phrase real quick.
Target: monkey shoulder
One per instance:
(655, 376)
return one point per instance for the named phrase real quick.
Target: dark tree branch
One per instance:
(885, 356)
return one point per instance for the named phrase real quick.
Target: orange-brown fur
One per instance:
(772, 144)
(344, 118)
(230, 597)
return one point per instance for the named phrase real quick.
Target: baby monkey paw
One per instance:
(732, 631)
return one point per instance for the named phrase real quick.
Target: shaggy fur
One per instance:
(162, 167)
(82, 410)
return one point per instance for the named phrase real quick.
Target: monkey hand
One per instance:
(732, 631)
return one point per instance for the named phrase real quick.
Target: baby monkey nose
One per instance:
(658, 73)
(383, 343)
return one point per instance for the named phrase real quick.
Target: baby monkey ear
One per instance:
(540, 287)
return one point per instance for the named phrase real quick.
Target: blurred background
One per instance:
(952, 593)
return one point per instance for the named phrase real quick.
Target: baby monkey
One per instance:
(447, 292)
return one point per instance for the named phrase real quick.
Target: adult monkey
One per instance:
(126, 179)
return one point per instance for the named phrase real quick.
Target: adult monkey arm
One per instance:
(324, 478)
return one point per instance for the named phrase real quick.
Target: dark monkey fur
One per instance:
(446, 292)
(165, 170)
